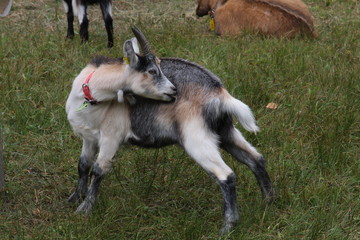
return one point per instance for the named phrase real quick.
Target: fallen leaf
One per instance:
(272, 105)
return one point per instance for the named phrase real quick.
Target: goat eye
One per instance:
(152, 72)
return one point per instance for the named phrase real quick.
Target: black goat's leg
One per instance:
(107, 149)
(106, 9)
(97, 176)
(84, 23)
(228, 189)
(85, 162)
(70, 18)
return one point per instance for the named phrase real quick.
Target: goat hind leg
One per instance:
(202, 147)
(84, 23)
(85, 162)
(106, 9)
(245, 153)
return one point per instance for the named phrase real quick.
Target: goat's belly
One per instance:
(151, 142)
(151, 134)
(148, 125)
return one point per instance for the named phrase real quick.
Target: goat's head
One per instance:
(204, 7)
(147, 78)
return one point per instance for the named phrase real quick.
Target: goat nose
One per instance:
(174, 89)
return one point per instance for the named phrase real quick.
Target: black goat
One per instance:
(78, 8)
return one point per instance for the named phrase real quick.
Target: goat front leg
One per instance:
(70, 18)
(101, 167)
(87, 156)
(97, 176)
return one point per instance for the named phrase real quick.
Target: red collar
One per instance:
(86, 90)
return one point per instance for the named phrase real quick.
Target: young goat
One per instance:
(79, 8)
(199, 119)
(279, 18)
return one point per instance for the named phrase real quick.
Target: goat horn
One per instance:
(144, 44)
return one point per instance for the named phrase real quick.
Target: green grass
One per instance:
(311, 140)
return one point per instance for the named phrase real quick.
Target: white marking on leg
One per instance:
(202, 146)
(66, 7)
(75, 7)
(241, 142)
(109, 10)
(81, 13)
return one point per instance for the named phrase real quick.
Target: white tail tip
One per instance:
(243, 113)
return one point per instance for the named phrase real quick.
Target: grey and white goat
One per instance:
(199, 119)
(79, 8)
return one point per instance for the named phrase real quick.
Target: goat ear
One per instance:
(131, 50)
(135, 45)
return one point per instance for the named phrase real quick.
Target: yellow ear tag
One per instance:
(212, 24)
(126, 60)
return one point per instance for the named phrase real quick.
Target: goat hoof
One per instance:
(74, 197)
(270, 197)
(227, 228)
(84, 40)
(110, 44)
(85, 207)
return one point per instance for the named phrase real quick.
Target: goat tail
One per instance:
(241, 111)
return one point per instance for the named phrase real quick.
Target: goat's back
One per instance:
(159, 123)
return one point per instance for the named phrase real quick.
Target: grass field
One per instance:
(311, 140)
